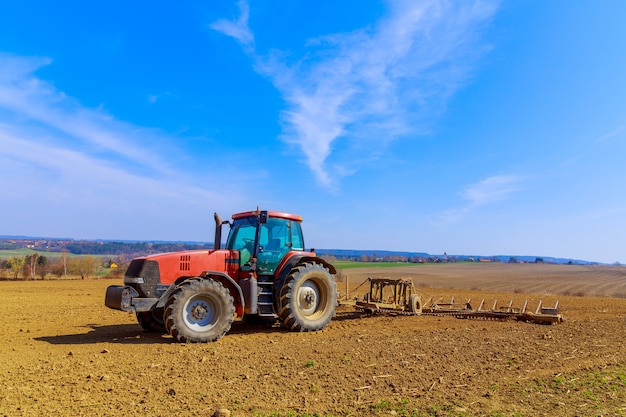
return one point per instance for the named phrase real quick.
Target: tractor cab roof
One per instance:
(278, 214)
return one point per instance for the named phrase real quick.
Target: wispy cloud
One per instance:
(491, 189)
(33, 102)
(482, 193)
(237, 29)
(618, 132)
(69, 158)
(79, 175)
(365, 88)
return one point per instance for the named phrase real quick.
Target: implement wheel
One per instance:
(199, 311)
(415, 303)
(308, 298)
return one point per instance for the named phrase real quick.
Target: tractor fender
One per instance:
(234, 288)
(291, 263)
(225, 280)
(166, 295)
(299, 258)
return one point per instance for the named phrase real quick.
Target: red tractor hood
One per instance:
(173, 265)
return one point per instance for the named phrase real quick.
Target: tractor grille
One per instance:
(143, 270)
(185, 262)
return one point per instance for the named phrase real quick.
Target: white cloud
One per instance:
(237, 29)
(617, 132)
(78, 173)
(33, 102)
(62, 163)
(491, 189)
(365, 88)
(482, 193)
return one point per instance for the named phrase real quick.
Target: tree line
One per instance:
(88, 247)
(36, 266)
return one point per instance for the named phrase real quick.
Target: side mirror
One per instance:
(263, 217)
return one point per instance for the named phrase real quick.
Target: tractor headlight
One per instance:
(133, 280)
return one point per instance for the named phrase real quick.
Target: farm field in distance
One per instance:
(530, 278)
(64, 353)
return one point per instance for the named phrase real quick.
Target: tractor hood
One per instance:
(166, 268)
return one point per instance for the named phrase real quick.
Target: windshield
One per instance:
(242, 234)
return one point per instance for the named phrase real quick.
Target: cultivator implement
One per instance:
(541, 315)
(387, 296)
(397, 297)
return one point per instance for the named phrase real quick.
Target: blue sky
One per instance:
(466, 127)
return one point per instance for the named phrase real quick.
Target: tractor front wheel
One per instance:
(152, 321)
(199, 311)
(308, 298)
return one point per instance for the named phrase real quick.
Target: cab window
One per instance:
(242, 235)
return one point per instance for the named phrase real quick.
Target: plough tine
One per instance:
(429, 300)
(508, 311)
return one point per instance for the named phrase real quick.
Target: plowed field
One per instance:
(63, 353)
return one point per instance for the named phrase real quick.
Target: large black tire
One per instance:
(199, 311)
(152, 321)
(308, 298)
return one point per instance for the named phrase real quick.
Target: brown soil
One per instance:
(64, 353)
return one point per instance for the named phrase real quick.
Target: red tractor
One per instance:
(263, 272)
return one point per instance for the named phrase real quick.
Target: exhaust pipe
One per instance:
(217, 243)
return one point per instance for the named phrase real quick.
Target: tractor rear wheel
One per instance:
(152, 321)
(308, 298)
(199, 311)
(415, 303)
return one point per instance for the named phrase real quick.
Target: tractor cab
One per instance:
(263, 238)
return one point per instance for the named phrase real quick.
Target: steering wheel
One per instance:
(249, 244)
